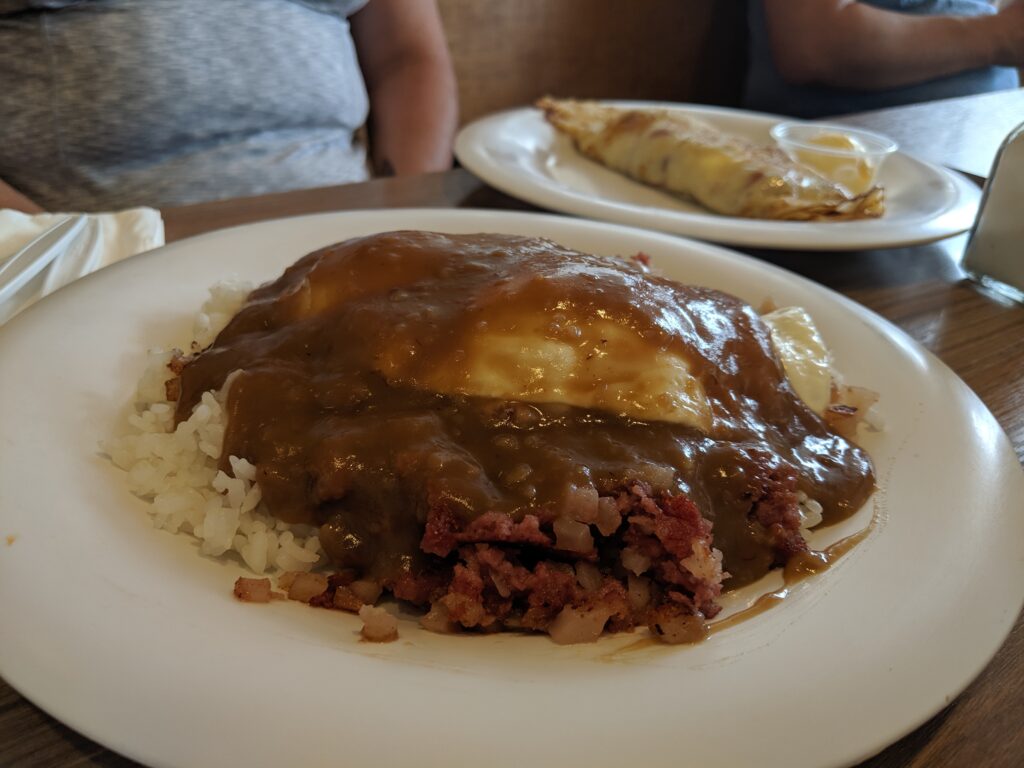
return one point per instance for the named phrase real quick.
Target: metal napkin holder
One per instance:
(995, 251)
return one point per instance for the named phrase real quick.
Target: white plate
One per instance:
(130, 637)
(521, 154)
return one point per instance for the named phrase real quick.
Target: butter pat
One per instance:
(855, 171)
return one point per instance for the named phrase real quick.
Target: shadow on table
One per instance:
(852, 271)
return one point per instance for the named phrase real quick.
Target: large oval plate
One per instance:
(126, 634)
(521, 154)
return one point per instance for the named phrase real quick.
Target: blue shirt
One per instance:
(767, 91)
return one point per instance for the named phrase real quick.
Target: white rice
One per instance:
(810, 511)
(175, 468)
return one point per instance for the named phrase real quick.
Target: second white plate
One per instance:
(519, 153)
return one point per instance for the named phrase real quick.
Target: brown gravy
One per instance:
(330, 402)
(796, 570)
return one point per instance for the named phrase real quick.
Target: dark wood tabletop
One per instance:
(921, 289)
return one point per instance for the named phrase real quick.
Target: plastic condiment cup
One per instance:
(851, 157)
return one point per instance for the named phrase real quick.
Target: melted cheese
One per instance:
(804, 356)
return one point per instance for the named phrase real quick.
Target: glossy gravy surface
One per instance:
(368, 388)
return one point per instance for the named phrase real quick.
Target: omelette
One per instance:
(692, 159)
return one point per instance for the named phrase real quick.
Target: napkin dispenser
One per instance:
(995, 251)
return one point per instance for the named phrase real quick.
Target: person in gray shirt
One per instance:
(106, 104)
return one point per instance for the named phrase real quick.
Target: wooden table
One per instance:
(920, 289)
(962, 133)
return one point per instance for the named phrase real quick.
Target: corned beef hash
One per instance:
(499, 431)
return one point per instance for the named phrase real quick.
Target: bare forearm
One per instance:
(413, 102)
(12, 198)
(413, 118)
(852, 44)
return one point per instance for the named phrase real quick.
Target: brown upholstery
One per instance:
(507, 53)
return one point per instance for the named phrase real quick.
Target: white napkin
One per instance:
(105, 239)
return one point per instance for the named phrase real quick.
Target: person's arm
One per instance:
(851, 44)
(409, 76)
(12, 198)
